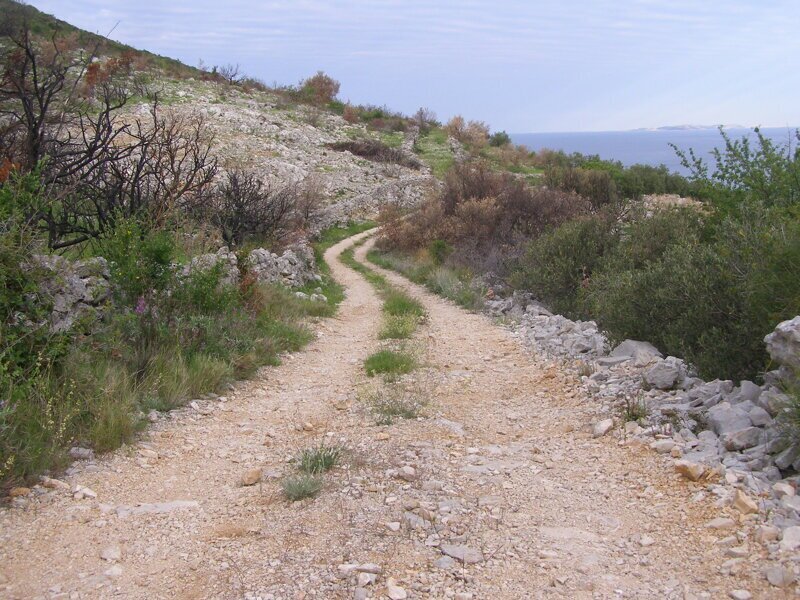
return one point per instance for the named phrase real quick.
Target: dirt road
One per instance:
(508, 494)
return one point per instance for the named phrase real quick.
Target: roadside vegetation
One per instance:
(705, 281)
(141, 198)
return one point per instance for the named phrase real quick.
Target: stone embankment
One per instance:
(726, 433)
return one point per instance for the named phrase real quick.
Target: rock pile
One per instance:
(225, 258)
(717, 430)
(294, 268)
(549, 334)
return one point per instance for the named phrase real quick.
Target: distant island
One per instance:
(688, 127)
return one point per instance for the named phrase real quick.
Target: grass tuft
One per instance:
(299, 487)
(398, 303)
(634, 410)
(389, 362)
(392, 403)
(319, 459)
(398, 327)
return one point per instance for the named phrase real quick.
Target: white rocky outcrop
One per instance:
(76, 290)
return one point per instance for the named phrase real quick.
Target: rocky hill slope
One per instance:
(290, 143)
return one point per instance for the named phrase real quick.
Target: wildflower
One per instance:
(141, 306)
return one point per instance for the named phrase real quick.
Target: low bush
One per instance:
(706, 283)
(602, 181)
(501, 138)
(558, 264)
(479, 219)
(711, 302)
(169, 338)
(320, 89)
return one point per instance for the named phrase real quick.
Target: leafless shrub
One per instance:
(309, 200)
(598, 186)
(245, 207)
(478, 212)
(230, 73)
(425, 119)
(95, 168)
(350, 114)
(473, 133)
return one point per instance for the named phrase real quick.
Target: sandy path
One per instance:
(503, 471)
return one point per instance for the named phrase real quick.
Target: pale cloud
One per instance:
(520, 65)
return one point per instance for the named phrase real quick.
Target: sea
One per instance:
(649, 147)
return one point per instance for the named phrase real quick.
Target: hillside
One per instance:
(288, 142)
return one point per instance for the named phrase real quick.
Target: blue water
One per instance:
(645, 147)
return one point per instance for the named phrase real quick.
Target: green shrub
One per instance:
(747, 173)
(645, 238)
(501, 138)
(439, 251)
(140, 260)
(686, 303)
(557, 264)
(389, 362)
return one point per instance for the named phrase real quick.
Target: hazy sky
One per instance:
(542, 65)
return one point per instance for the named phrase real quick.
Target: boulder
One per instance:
(602, 427)
(744, 503)
(724, 418)
(784, 459)
(783, 344)
(773, 401)
(759, 416)
(666, 374)
(742, 439)
(641, 353)
(747, 391)
(691, 470)
(710, 394)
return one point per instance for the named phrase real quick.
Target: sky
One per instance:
(535, 66)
